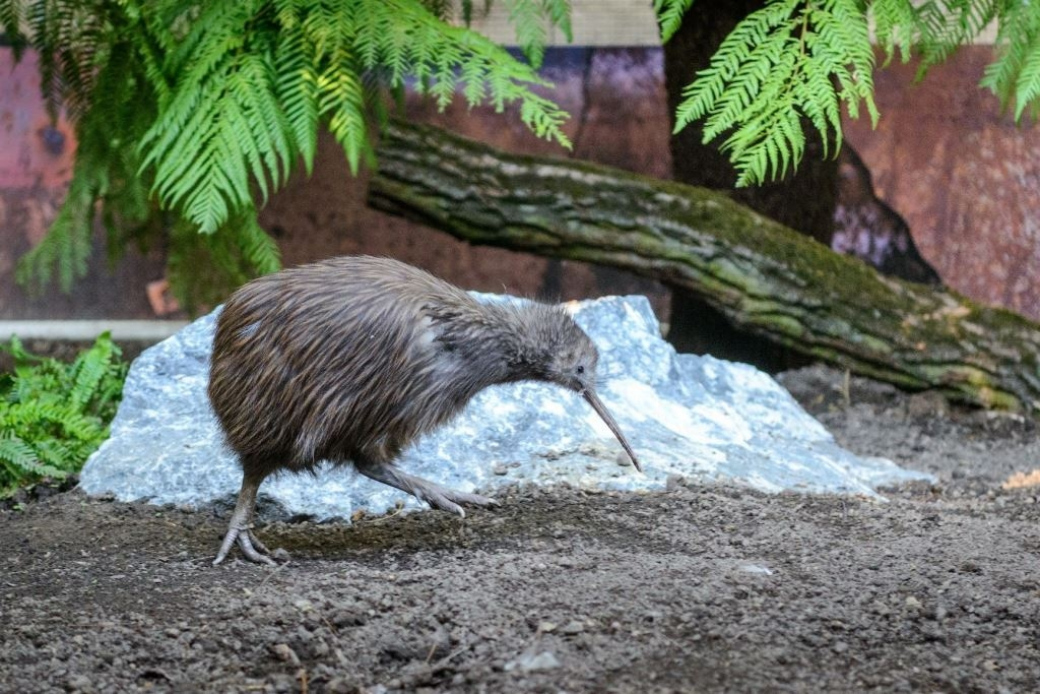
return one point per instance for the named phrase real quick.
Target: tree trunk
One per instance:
(762, 276)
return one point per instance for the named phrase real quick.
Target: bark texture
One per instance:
(764, 277)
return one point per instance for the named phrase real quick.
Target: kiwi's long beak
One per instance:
(601, 410)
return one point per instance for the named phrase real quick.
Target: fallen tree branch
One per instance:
(767, 279)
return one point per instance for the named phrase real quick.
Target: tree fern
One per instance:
(216, 103)
(224, 136)
(106, 164)
(796, 59)
(779, 64)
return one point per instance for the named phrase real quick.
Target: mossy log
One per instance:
(767, 279)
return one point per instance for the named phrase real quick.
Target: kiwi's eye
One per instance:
(581, 368)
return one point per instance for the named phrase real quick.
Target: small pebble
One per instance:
(529, 662)
(81, 682)
(283, 652)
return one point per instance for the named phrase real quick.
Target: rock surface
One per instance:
(692, 417)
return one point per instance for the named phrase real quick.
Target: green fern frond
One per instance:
(90, 368)
(208, 106)
(259, 250)
(1015, 75)
(533, 19)
(70, 38)
(559, 14)
(15, 451)
(441, 9)
(20, 461)
(106, 166)
(54, 453)
(531, 30)
(670, 15)
(65, 249)
(743, 60)
(896, 26)
(1027, 86)
(14, 23)
(341, 98)
(239, 250)
(296, 87)
(945, 25)
(242, 110)
(778, 65)
(54, 415)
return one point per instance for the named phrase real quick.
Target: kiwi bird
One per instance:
(349, 360)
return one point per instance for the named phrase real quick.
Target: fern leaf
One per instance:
(22, 460)
(526, 16)
(14, 23)
(1027, 86)
(947, 24)
(787, 60)
(258, 248)
(209, 106)
(896, 26)
(342, 96)
(238, 251)
(66, 247)
(1015, 75)
(559, 14)
(670, 15)
(90, 367)
(236, 135)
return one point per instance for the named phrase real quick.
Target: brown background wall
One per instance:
(963, 175)
(965, 178)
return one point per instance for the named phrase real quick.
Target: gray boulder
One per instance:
(698, 418)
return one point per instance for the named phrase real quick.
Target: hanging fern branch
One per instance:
(208, 107)
(670, 15)
(533, 19)
(1015, 77)
(106, 164)
(805, 60)
(789, 60)
(225, 133)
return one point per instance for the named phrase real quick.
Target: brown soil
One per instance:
(706, 589)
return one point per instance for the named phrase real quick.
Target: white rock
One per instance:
(697, 418)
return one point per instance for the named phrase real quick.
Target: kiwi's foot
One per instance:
(253, 549)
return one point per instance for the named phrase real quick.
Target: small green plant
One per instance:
(53, 415)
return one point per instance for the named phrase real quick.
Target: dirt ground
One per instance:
(706, 589)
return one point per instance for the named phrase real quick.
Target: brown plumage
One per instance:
(349, 360)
